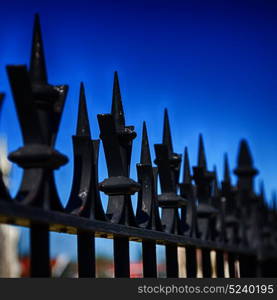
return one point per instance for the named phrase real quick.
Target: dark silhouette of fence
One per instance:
(196, 213)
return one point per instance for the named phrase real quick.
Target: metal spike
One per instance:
(245, 169)
(244, 157)
(83, 128)
(215, 188)
(38, 71)
(201, 154)
(145, 156)
(117, 107)
(167, 140)
(186, 171)
(227, 177)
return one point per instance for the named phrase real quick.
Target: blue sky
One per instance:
(211, 63)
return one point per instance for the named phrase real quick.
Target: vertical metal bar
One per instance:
(171, 254)
(191, 262)
(220, 264)
(149, 259)
(40, 256)
(248, 265)
(86, 254)
(231, 263)
(121, 257)
(206, 263)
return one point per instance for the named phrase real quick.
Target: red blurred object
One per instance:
(25, 265)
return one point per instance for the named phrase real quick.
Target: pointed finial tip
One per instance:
(145, 156)
(200, 139)
(144, 129)
(186, 170)
(166, 119)
(186, 156)
(166, 114)
(38, 70)
(244, 145)
(244, 155)
(167, 139)
(243, 140)
(116, 80)
(82, 91)
(117, 107)
(201, 153)
(226, 168)
(226, 160)
(37, 22)
(83, 127)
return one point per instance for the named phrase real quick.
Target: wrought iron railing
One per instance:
(199, 213)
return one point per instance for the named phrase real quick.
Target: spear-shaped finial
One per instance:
(244, 157)
(83, 128)
(215, 188)
(145, 156)
(38, 71)
(186, 171)
(245, 162)
(201, 154)
(167, 140)
(117, 107)
(227, 177)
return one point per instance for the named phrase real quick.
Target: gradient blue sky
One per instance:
(211, 63)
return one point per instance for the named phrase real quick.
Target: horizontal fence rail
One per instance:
(218, 224)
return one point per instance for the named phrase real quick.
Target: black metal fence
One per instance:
(199, 213)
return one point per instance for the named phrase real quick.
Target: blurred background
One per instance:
(211, 63)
